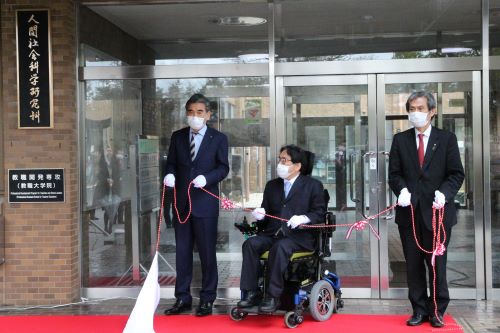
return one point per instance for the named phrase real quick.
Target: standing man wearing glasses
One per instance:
(425, 170)
(197, 153)
(296, 197)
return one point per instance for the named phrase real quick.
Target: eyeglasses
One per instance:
(283, 160)
(419, 109)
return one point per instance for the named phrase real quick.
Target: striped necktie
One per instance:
(192, 146)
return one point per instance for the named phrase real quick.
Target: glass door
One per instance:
(457, 95)
(334, 117)
(349, 121)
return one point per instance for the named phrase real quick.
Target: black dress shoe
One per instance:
(269, 305)
(252, 298)
(437, 322)
(179, 307)
(417, 319)
(204, 309)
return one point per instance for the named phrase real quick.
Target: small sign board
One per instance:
(34, 72)
(36, 185)
(148, 168)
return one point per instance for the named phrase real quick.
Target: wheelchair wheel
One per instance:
(292, 320)
(236, 314)
(322, 301)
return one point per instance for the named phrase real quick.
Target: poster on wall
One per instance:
(34, 69)
(36, 185)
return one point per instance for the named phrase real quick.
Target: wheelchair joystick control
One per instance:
(246, 228)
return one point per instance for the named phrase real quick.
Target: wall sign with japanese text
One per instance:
(36, 185)
(34, 69)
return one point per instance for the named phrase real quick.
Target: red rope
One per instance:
(438, 247)
(159, 219)
(228, 204)
(181, 221)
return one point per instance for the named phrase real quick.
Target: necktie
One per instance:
(421, 149)
(287, 187)
(192, 146)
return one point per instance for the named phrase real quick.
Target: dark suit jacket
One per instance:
(211, 162)
(442, 170)
(306, 197)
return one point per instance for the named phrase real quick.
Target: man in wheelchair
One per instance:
(296, 197)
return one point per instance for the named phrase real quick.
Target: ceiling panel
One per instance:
(303, 27)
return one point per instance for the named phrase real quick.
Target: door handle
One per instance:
(363, 162)
(351, 173)
(369, 153)
(388, 215)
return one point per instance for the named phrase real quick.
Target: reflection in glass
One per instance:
(322, 30)
(494, 27)
(332, 122)
(495, 174)
(240, 109)
(111, 112)
(115, 111)
(455, 115)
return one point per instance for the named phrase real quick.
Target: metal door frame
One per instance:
(379, 254)
(475, 78)
(341, 80)
(340, 72)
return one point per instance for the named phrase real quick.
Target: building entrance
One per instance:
(349, 122)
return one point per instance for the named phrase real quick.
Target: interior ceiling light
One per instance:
(254, 57)
(240, 20)
(455, 50)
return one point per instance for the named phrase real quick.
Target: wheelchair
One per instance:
(307, 285)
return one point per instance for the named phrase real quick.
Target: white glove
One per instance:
(404, 199)
(169, 180)
(200, 181)
(439, 200)
(297, 220)
(258, 213)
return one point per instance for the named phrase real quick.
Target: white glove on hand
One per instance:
(439, 200)
(404, 199)
(169, 180)
(297, 220)
(200, 181)
(258, 213)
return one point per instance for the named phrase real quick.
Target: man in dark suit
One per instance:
(293, 196)
(425, 170)
(197, 153)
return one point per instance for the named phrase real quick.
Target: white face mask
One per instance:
(418, 119)
(283, 171)
(196, 123)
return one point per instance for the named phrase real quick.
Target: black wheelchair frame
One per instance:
(307, 284)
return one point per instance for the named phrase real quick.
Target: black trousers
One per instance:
(203, 233)
(416, 261)
(280, 251)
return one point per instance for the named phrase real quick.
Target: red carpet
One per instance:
(344, 323)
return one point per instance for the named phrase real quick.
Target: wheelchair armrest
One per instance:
(326, 234)
(330, 219)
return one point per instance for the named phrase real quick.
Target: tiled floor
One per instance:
(472, 316)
